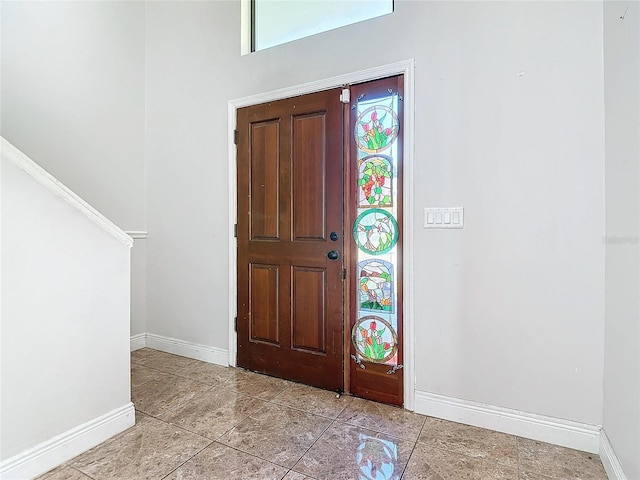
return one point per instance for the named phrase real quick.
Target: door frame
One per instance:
(405, 68)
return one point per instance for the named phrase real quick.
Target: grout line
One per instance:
(189, 459)
(404, 469)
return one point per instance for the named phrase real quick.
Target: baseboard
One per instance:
(565, 433)
(57, 450)
(205, 353)
(609, 459)
(138, 341)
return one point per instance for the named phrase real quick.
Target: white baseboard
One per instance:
(138, 341)
(205, 353)
(566, 433)
(57, 450)
(610, 460)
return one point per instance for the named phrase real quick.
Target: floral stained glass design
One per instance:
(375, 339)
(376, 128)
(376, 285)
(374, 334)
(375, 231)
(375, 181)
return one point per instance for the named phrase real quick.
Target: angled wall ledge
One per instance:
(137, 234)
(57, 188)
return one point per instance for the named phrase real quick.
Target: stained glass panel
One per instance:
(376, 285)
(375, 339)
(375, 181)
(376, 128)
(375, 231)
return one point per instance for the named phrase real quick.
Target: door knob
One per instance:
(333, 255)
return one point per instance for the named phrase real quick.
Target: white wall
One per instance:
(509, 124)
(622, 327)
(73, 96)
(64, 331)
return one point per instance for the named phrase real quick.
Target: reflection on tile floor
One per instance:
(198, 421)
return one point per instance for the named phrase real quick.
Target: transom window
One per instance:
(274, 22)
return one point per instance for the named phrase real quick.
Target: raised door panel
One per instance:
(264, 286)
(309, 166)
(264, 179)
(308, 313)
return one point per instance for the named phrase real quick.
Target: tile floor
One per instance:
(196, 420)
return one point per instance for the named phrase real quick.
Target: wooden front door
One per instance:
(290, 239)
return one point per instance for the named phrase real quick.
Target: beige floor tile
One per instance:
(64, 473)
(278, 434)
(471, 441)
(383, 418)
(165, 392)
(345, 452)
(165, 362)
(213, 413)
(141, 374)
(149, 450)
(141, 353)
(219, 462)
(559, 462)
(429, 463)
(207, 373)
(256, 385)
(313, 400)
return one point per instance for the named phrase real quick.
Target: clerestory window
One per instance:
(274, 22)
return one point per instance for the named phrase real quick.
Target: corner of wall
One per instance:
(609, 459)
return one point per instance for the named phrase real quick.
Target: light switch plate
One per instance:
(444, 217)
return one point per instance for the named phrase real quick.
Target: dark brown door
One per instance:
(290, 239)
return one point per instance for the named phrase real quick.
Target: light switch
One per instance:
(445, 217)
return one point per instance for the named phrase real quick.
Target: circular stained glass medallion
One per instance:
(376, 129)
(374, 339)
(375, 231)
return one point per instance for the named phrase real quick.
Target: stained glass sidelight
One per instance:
(375, 230)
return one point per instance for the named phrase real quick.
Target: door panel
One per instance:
(290, 195)
(263, 302)
(308, 190)
(309, 314)
(265, 182)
